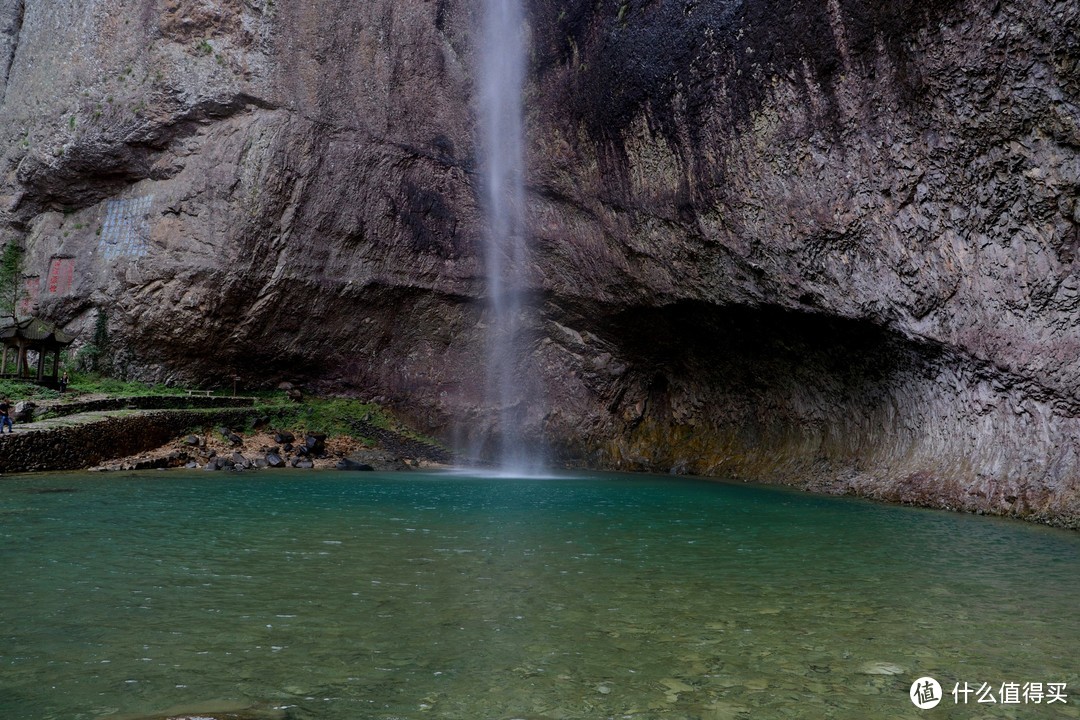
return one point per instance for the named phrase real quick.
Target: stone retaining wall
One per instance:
(143, 402)
(88, 444)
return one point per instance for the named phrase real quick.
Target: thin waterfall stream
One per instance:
(502, 73)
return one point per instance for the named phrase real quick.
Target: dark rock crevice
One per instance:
(11, 17)
(839, 405)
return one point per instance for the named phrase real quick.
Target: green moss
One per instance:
(333, 415)
(20, 390)
(91, 358)
(11, 263)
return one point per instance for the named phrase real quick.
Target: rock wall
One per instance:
(831, 244)
(834, 245)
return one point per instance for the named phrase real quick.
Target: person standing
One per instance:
(64, 382)
(5, 417)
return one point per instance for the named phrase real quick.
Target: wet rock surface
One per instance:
(401, 445)
(831, 245)
(353, 465)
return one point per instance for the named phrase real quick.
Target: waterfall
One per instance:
(502, 73)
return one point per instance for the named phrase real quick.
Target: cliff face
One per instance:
(830, 244)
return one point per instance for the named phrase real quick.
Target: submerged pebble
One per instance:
(881, 668)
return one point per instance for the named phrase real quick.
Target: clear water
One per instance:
(376, 596)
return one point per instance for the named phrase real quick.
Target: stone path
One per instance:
(123, 407)
(64, 421)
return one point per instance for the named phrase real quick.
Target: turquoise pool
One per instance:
(345, 596)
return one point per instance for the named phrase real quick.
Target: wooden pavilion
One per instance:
(32, 335)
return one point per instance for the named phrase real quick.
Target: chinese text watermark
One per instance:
(926, 693)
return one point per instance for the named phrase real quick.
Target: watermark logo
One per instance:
(1012, 693)
(925, 693)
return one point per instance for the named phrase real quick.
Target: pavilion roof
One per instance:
(34, 330)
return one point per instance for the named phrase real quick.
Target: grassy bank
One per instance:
(82, 384)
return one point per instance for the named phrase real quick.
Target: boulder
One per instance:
(230, 436)
(274, 460)
(284, 437)
(192, 440)
(304, 463)
(240, 461)
(24, 411)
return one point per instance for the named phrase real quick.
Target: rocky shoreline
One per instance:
(225, 449)
(116, 435)
(82, 445)
(219, 433)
